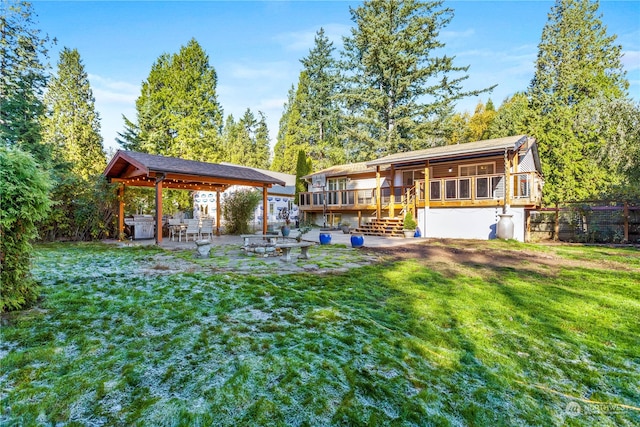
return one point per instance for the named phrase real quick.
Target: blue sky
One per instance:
(255, 46)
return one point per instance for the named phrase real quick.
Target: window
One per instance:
(479, 169)
(497, 185)
(482, 188)
(435, 190)
(464, 188)
(450, 187)
(521, 186)
(336, 194)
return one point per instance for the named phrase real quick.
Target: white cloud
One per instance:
(113, 91)
(270, 104)
(447, 34)
(252, 70)
(304, 40)
(631, 60)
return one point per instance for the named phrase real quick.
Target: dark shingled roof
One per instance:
(445, 151)
(173, 165)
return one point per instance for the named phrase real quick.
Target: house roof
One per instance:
(446, 151)
(287, 178)
(142, 169)
(347, 169)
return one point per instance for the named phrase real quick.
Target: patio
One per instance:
(227, 255)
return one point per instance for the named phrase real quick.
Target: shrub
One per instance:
(82, 209)
(24, 200)
(238, 209)
(409, 222)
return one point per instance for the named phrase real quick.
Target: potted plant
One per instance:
(285, 229)
(346, 227)
(409, 225)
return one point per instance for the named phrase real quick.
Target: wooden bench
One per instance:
(286, 249)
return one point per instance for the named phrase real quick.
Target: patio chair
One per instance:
(207, 228)
(193, 229)
(175, 227)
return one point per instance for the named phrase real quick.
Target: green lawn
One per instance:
(411, 342)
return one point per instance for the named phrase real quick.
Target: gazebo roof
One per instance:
(143, 170)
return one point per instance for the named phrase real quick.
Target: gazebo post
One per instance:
(120, 211)
(159, 180)
(264, 209)
(218, 212)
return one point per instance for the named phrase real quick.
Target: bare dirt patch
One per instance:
(483, 254)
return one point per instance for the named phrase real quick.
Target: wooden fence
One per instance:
(587, 222)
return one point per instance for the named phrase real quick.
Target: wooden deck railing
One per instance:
(483, 189)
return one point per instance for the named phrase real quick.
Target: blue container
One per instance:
(357, 240)
(325, 238)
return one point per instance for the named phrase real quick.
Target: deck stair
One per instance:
(389, 227)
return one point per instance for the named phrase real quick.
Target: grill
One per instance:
(142, 226)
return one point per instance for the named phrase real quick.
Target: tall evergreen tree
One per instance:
(178, 113)
(577, 63)
(279, 163)
(512, 118)
(22, 78)
(395, 83)
(303, 168)
(71, 125)
(247, 141)
(82, 205)
(295, 132)
(319, 105)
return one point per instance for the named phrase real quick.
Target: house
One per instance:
(280, 198)
(454, 191)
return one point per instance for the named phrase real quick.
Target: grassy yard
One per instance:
(540, 335)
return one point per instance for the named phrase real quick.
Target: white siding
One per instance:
(467, 223)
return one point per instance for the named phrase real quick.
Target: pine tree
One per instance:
(514, 117)
(279, 163)
(22, 79)
(395, 83)
(177, 111)
(318, 106)
(577, 63)
(295, 132)
(247, 141)
(71, 125)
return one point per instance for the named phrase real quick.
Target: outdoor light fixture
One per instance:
(450, 169)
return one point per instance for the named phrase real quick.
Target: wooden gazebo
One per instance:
(130, 168)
